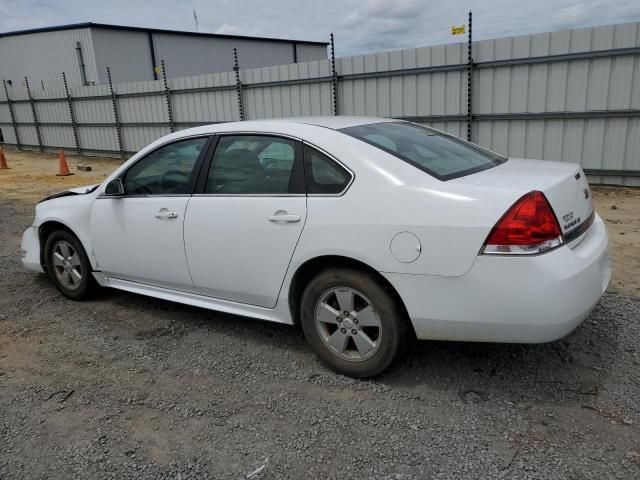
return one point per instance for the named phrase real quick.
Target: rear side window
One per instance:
(442, 156)
(255, 165)
(323, 175)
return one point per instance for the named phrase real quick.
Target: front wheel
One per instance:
(352, 322)
(68, 265)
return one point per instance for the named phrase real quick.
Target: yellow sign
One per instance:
(158, 70)
(457, 30)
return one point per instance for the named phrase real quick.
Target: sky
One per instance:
(359, 26)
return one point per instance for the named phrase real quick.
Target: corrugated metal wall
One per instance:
(606, 84)
(214, 99)
(187, 55)
(44, 56)
(308, 53)
(191, 55)
(569, 96)
(264, 100)
(126, 53)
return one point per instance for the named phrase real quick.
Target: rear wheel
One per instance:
(352, 322)
(68, 265)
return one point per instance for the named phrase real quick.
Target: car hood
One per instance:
(72, 191)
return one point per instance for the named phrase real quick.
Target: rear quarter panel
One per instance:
(389, 196)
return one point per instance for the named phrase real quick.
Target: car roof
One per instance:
(335, 122)
(276, 125)
(332, 122)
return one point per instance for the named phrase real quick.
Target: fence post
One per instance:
(116, 114)
(334, 77)
(236, 68)
(34, 114)
(13, 116)
(469, 83)
(167, 97)
(72, 115)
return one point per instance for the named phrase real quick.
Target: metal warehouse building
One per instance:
(84, 51)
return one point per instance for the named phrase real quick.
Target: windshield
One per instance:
(440, 155)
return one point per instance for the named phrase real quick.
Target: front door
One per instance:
(242, 229)
(139, 236)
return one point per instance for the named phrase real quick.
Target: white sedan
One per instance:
(365, 231)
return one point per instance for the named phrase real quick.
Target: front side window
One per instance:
(165, 171)
(443, 156)
(324, 176)
(254, 165)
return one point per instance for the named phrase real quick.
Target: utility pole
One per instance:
(469, 82)
(334, 77)
(195, 18)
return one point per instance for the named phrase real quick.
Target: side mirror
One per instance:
(114, 188)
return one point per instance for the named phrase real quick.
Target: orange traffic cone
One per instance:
(3, 161)
(64, 168)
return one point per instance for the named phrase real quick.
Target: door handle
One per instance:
(163, 213)
(283, 216)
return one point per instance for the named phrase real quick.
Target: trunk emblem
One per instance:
(586, 193)
(573, 222)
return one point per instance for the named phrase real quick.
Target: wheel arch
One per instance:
(312, 267)
(45, 229)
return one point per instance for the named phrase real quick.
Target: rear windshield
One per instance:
(440, 155)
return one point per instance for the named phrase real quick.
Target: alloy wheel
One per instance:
(67, 265)
(348, 324)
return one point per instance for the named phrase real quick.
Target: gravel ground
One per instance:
(131, 387)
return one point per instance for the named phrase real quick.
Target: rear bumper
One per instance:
(30, 249)
(530, 299)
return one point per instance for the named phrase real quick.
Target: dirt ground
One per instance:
(620, 209)
(130, 387)
(33, 176)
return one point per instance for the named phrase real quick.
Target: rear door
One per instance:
(242, 226)
(139, 236)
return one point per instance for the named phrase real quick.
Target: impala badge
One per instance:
(570, 221)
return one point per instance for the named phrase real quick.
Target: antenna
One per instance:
(195, 18)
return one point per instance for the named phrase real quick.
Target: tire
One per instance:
(368, 350)
(64, 274)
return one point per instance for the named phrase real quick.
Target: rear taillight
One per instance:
(528, 227)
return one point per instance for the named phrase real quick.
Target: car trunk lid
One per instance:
(563, 184)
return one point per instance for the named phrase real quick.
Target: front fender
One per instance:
(73, 213)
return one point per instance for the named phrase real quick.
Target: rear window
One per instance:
(440, 155)
(324, 176)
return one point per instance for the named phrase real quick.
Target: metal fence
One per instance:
(570, 95)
